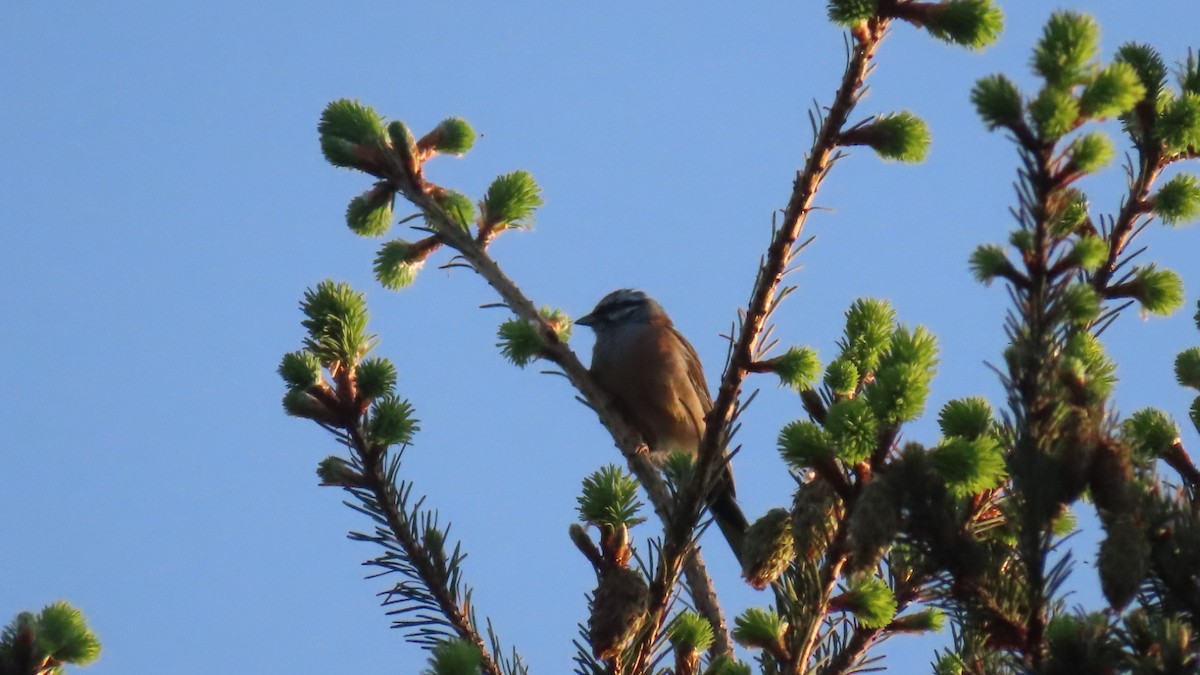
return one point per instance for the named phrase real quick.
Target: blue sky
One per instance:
(163, 205)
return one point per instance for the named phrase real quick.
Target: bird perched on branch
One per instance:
(656, 380)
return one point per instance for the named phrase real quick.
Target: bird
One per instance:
(656, 380)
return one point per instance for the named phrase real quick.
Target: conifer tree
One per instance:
(881, 537)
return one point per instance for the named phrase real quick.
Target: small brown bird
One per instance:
(656, 380)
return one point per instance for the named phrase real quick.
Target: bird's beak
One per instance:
(586, 320)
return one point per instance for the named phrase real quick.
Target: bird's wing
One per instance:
(695, 372)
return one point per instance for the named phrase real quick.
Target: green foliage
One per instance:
(797, 367)
(1179, 124)
(618, 611)
(511, 200)
(1189, 74)
(391, 422)
(1088, 253)
(1150, 433)
(900, 136)
(1080, 644)
(870, 601)
(1123, 559)
(1022, 240)
(455, 657)
(853, 428)
(1161, 644)
(1055, 112)
(335, 471)
(691, 632)
(370, 214)
(759, 629)
(300, 370)
(997, 101)
(340, 152)
(610, 498)
(841, 376)
(803, 443)
(1065, 523)
(59, 633)
(1080, 304)
(459, 207)
(898, 394)
(1160, 291)
(893, 366)
(1187, 368)
(63, 634)
(1178, 200)
(768, 548)
(1114, 91)
(924, 621)
(817, 510)
(397, 264)
(453, 136)
(967, 418)
(350, 120)
(869, 326)
(1084, 354)
(376, 377)
(336, 323)
(1069, 44)
(401, 138)
(949, 664)
(1068, 217)
(344, 125)
(368, 422)
(903, 378)
(988, 261)
(873, 524)
(970, 23)
(678, 467)
(298, 403)
(969, 466)
(1092, 151)
(851, 12)
(521, 342)
(558, 321)
(723, 665)
(1147, 63)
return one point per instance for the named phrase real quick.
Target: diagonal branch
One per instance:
(779, 254)
(764, 297)
(1134, 208)
(440, 590)
(627, 440)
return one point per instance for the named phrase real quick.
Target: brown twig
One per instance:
(763, 297)
(864, 637)
(779, 253)
(1150, 166)
(1177, 458)
(627, 440)
(375, 480)
(677, 543)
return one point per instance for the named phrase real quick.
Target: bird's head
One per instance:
(621, 308)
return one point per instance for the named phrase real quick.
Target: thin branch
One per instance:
(1177, 458)
(677, 543)
(850, 653)
(1133, 208)
(376, 480)
(626, 438)
(783, 246)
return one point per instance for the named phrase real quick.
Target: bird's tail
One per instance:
(722, 502)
